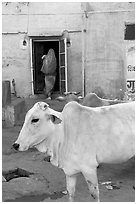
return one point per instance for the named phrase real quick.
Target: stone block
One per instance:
(14, 114)
(6, 93)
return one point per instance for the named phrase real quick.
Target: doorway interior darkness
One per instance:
(40, 48)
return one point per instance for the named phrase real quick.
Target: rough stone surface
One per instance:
(14, 113)
(6, 93)
(46, 179)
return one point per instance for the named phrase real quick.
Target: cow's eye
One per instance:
(35, 120)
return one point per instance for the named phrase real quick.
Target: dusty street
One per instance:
(48, 182)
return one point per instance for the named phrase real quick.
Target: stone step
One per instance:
(6, 93)
(14, 113)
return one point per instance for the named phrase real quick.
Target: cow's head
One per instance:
(40, 124)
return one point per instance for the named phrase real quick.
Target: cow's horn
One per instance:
(43, 106)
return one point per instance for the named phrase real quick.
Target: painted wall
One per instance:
(105, 53)
(106, 68)
(38, 19)
(130, 52)
(16, 63)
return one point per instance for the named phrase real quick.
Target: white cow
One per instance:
(80, 138)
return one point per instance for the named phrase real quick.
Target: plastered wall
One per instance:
(23, 20)
(105, 54)
(106, 66)
(16, 63)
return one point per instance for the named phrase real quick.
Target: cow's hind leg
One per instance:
(71, 184)
(92, 181)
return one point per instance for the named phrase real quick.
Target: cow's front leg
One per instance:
(71, 184)
(92, 181)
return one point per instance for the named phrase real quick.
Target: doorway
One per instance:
(40, 48)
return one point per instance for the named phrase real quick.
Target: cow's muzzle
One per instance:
(16, 146)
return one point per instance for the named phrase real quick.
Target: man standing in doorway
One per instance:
(49, 69)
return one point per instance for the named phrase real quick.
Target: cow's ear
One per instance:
(55, 116)
(55, 119)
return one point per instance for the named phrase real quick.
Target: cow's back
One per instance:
(116, 132)
(106, 133)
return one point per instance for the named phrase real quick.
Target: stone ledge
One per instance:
(6, 93)
(14, 114)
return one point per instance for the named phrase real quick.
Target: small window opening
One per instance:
(130, 32)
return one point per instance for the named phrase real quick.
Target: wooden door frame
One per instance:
(32, 66)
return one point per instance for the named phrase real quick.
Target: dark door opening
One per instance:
(40, 48)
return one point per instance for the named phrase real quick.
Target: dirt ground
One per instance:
(47, 183)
